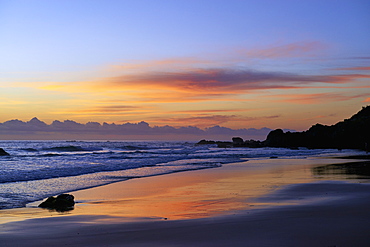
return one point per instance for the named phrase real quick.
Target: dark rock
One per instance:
(352, 133)
(48, 203)
(3, 152)
(252, 144)
(225, 144)
(205, 142)
(219, 144)
(62, 203)
(275, 138)
(237, 140)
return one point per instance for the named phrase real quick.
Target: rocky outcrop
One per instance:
(236, 142)
(352, 133)
(61, 203)
(220, 144)
(206, 142)
(3, 152)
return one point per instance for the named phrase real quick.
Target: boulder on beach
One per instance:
(3, 152)
(61, 203)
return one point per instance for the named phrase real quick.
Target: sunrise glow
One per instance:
(235, 64)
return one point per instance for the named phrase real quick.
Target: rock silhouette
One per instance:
(62, 203)
(3, 152)
(237, 142)
(352, 133)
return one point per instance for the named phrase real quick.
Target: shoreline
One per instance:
(189, 208)
(254, 166)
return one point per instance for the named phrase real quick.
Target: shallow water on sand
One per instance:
(38, 169)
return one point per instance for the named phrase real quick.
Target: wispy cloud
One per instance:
(200, 85)
(153, 65)
(165, 91)
(361, 68)
(191, 79)
(224, 80)
(201, 121)
(206, 120)
(274, 51)
(113, 108)
(296, 49)
(318, 98)
(210, 111)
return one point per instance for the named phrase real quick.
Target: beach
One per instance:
(259, 202)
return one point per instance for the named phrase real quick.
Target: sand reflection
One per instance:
(230, 189)
(193, 194)
(351, 170)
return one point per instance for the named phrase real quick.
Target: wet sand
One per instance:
(277, 202)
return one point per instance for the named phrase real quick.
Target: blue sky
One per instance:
(58, 35)
(65, 60)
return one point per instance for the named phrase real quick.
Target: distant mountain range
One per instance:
(351, 133)
(68, 129)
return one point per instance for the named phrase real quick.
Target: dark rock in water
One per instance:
(253, 144)
(224, 144)
(205, 142)
(237, 140)
(219, 144)
(3, 152)
(62, 203)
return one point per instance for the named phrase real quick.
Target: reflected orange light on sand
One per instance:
(230, 189)
(188, 195)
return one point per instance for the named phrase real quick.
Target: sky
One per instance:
(237, 64)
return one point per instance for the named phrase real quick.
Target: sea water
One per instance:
(37, 169)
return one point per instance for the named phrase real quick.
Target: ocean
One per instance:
(38, 169)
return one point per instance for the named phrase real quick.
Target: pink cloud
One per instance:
(225, 80)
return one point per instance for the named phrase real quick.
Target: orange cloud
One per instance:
(317, 98)
(198, 85)
(112, 109)
(171, 63)
(210, 111)
(367, 100)
(206, 120)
